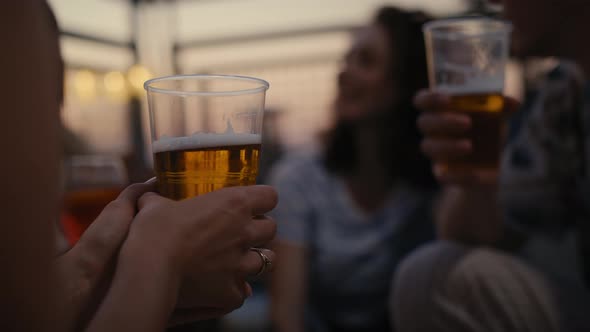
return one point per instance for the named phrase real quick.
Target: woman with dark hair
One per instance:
(348, 215)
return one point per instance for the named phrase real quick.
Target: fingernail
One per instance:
(152, 180)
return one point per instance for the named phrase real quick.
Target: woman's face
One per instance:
(364, 84)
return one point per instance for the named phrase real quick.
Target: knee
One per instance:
(419, 276)
(428, 265)
(498, 287)
(448, 285)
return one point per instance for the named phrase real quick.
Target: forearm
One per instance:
(141, 297)
(290, 326)
(470, 215)
(289, 286)
(287, 318)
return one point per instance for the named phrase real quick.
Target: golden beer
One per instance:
(198, 165)
(487, 127)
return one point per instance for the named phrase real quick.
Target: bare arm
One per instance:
(470, 215)
(289, 288)
(29, 167)
(469, 211)
(141, 298)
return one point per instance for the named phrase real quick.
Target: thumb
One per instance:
(150, 198)
(103, 238)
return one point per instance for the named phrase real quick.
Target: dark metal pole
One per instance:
(137, 167)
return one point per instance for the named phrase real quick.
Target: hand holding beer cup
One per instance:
(206, 137)
(90, 262)
(205, 243)
(447, 137)
(464, 125)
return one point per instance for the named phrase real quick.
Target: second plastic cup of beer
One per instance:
(206, 132)
(467, 61)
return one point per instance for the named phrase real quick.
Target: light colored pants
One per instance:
(445, 286)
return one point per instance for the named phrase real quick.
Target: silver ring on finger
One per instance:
(266, 262)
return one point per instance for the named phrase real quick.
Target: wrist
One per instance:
(470, 215)
(143, 292)
(150, 255)
(137, 256)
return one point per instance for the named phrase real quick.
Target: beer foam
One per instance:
(473, 86)
(203, 140)
(491, 87)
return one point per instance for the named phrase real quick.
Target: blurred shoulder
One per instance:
(564, 82)
(32, 13)
(23, 4)
(566, 70)
(300, 165)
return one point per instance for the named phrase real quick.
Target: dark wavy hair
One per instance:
(398, 135)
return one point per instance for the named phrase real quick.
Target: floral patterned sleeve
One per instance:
(546, 154)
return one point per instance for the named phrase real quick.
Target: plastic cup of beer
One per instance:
(467, 60)
(206, 132)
